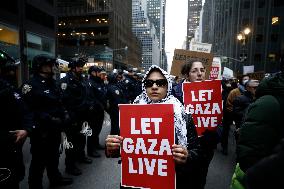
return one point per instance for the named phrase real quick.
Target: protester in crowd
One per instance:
(263, 127)
(98, 90)
(157, 89)
(241, 102)
(194, 70)
(267, 173)
(75, 99)
(228, 109)
(226, 122)
(236, 92)
(51, 118)
(16, 123)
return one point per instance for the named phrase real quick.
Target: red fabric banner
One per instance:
(146, 155)
(204, 101)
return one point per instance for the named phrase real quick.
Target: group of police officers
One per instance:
(67, 111)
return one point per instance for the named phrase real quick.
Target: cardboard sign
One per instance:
(146, 155)
(256, 75)
(204, 101)
(182, 56)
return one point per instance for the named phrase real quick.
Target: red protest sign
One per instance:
(204, 101)
(148, 132)
(214, 72)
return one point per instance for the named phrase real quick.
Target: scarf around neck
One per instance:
(179, 112)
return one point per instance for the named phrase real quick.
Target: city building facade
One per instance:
(194, 8)
(99, 30)
(145, 31)
(248, 32)
(27, 28)
(156, 14)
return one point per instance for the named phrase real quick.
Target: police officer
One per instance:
(43, 98)
(98, 89)
(115, 96)
(74, 95)
(132, 86)
(16, 123)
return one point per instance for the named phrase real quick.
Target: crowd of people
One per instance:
(57, 114)
(68, 114)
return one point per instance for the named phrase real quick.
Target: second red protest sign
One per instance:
(204, 101)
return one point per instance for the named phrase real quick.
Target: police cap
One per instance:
(77, 63)
(41, 60)
(96, 69)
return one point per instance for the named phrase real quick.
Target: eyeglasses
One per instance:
(159, 82)
(196, 70)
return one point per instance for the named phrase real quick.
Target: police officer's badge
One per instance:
(63, 86)
(26, 88)
(116, 92)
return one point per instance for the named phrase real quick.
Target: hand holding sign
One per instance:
(180, 153)
(113, 143)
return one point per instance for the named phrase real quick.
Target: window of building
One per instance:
(261, 4)
(246, 4)
(9, 35)
(272, 57)
(257, 57)
(259, 38)
(275, 20)
(260, 21)
(9, 40)
(245, 22)
(278, 3)
(39, 16)
(274, 37)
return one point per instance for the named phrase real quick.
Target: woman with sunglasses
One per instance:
(157, 88)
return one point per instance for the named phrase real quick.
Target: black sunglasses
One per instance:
(159, 82)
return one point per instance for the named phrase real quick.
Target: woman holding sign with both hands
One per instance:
(157, 88)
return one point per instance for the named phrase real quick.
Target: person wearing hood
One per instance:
(260, 132)
(157, 88)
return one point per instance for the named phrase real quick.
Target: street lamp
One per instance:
(242, 37)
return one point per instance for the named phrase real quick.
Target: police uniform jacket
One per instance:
(43, 98)
(14, 115)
